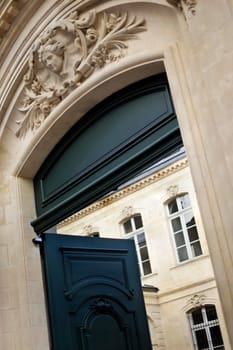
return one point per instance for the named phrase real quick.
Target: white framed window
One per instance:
(205, 328)
(183, 228)
(133, 228)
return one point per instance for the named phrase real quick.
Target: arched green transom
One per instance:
(114, 141)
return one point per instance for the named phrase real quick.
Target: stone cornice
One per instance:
(158, 175)
(179, 292)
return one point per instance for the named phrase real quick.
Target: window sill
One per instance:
(143, 278)
(198, 258)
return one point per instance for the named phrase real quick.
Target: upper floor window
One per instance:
(133, 228)
(205, 328)
(184, 228)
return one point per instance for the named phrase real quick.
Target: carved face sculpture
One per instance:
(52, 56)
(52, 61)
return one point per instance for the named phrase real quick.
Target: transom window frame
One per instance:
(180, 213)
(134, 234)
(205, 325)
(58, 197)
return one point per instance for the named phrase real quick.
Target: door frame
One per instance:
(152, 142)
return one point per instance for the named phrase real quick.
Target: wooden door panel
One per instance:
(94, 294)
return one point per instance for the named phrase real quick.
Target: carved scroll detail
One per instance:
(196, 300)
(101, 305)
(66, 54)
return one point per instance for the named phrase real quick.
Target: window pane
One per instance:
(182, 254)
(211, 313)
(197, 316)
(138, 221)
(179, 239)
(202, 328)
(146, 267)
(185, 202)
(141, 239)
(172, 207)
(196, 249)
(127, 226)
(216, 335)
(202, 340)
(144, 253)
(192, 233)
(176, 224)
(189, 219)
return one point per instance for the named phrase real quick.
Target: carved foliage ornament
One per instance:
(66, 54)
(190, 4)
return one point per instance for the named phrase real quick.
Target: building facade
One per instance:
(56, 64)
(159, 211)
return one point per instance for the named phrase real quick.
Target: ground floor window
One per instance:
(206, 329)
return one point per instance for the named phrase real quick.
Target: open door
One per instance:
(94, 294)
(95, 300)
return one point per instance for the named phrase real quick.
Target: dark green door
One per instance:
(94, 294)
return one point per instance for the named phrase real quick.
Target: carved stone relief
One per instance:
(89, 229)
(196, 301)
(172, 191)
(127, 212)
(66, 54)
(190, 4)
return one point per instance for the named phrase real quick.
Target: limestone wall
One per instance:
(177, 283)
(196, 52)
(204, 66)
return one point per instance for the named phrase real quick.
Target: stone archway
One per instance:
(187, 50)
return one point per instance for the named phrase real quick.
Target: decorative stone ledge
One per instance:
(158, 175)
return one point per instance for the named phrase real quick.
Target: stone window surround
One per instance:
(134, 233)
(180, 214)
(206, 325)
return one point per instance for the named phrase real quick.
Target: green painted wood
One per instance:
(94, 294)
(114, 141)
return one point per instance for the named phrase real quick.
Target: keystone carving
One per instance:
(197, 300)
(66, 54)
(127, 211)
(172, 190)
